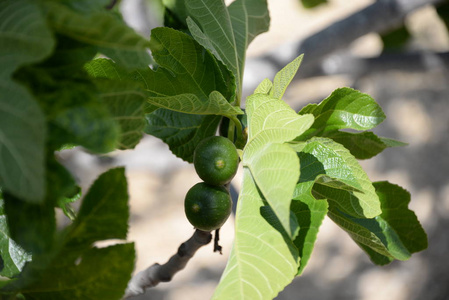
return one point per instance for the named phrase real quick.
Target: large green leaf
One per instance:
(273, 165)
(344, 108)
(76, 270)
(187, 80)
(13, 257)
(25, 38)
(22, 136)
(101, 28)
(227, 32)
(395, 234)
(323, 156)
(124, 98)
(263, 259)
(310, 214)
(190, 89)
(24, 35)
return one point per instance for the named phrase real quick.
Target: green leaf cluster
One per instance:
(72, 267)
(300, 167)
(49, 101)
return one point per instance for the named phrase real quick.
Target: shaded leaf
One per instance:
(395, 234)
(312, 3)
(182, 132)
(24, 39)
(13, 257)
(73, 269)
(365, 144)
(22, 136)
(100, 28)
(310, 214)
(124, 98)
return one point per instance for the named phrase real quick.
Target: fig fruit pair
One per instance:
(208, 204)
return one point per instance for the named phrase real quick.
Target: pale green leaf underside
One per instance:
(191, 104)
(262, 261)
(274, 167)
(274, 119)
(324, 156)
(264, 87)
(284, 77)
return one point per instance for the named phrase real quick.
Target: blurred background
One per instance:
(394, 50)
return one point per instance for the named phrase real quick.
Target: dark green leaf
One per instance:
(24, 35)
(102, 29)
(312, 3)
(22, 136)
(310, 214)
(104, 212)
(13, 257)
(443, 12)
(73, 269)
(396, 39)
(344, 108)
(395, 234)
(365, 144)
(182, 132)
(227, 32)
(32, 226)
(97, 274)
(124, 98)
(185, 69)
(24, 39)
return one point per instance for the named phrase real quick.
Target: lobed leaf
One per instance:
(263, 259)
(395, 234)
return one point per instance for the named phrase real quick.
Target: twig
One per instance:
(157, 273)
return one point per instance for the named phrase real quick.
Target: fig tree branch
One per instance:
(157, 273)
